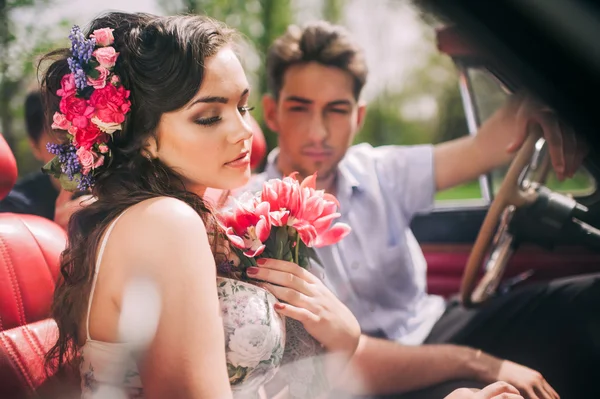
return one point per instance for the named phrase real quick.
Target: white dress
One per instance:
(255, 346)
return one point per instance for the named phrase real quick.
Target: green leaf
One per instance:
(68, 184)
(52, 168)
(93, 73)
(312, 254)
(281, 242)
(93, 64)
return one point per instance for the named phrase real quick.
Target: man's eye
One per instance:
(208, 121)
(339, 111)
(297, 109)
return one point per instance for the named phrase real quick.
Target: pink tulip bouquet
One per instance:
(286, 220)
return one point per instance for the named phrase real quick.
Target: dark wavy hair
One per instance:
(161, 62)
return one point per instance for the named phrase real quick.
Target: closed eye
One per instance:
(208, 121)
(298, 109)
(339, 111)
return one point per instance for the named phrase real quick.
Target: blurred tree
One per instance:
(9, 85)
(18, 45)
(333, 10)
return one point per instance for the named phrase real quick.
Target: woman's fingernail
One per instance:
(252, 270)
(279, 306)
(261, 261)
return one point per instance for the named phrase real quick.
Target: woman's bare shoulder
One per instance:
(160, 230)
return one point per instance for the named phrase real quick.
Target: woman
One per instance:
(157, 111)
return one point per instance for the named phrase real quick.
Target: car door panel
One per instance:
(447, 235)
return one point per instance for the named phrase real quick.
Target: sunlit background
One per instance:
(411, 90)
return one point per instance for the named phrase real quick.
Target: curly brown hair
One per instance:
(161, 62)
(320, 42)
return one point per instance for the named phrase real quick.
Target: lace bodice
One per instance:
(254, 337)
(255, 347)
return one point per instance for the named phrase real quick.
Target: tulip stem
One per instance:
(297, 249)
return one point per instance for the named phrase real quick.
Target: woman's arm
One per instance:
(166, 241)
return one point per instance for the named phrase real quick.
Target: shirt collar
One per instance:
(347, 182)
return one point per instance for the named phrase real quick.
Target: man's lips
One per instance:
(317, 154)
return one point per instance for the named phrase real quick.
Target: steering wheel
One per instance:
(528, 169)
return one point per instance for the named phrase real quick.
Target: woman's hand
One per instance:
(498, 390)
(307, 300)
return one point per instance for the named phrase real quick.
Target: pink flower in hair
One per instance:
(73, 106)
(103, 148)
(100, 81)
(89, 160)
(67, 86)
(86, 138)
(106, 56)
(104, 37)
(59, 121)
(111, 104)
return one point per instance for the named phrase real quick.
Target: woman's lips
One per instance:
(242, 161)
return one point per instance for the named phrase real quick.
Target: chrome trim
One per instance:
(473, 122)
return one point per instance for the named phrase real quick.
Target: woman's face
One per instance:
(209, 139)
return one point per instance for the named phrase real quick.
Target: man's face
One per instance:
(316, 118)
(39, 148)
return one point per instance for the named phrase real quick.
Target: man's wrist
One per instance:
(481, 366)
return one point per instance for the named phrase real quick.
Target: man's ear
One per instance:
(270, 112)
(35, 149)
(361, 115)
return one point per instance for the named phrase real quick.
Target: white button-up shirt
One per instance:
(379, 270)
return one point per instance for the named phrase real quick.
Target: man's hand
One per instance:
(462, 160)
(530, 383)
(566, 149)
(65, 206)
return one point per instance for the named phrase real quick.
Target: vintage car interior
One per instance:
(532, 232)
(538, 237)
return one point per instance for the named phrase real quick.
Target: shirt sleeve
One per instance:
(407, 174)
(15, 202)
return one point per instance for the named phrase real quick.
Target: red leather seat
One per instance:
(8, 168)
(30, 248)
(259, 145)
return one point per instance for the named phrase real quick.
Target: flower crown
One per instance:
(93, 106)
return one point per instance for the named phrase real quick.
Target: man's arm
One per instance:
(380, 366)
(464, 159)
(15, 202)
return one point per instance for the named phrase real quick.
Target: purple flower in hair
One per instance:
(85, 182)
(67, 157)
(81, 50)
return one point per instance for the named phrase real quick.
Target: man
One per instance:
(315, 77)
(38, 193)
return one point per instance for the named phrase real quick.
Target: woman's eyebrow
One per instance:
(209, 99)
